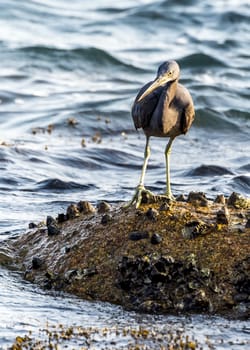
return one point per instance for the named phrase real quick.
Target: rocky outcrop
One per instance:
(191, 255)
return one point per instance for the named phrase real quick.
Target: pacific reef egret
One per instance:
(162, 108)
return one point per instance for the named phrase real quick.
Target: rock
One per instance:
(37, 263)
(61, 217)
(169, 283)
(32, 225)
(220, 199)
(85, 207)
(90, 271)
(248, 223)
(181, 198)
(152, 214)
(103, 207)
(241, 297)
(52, 226)
(138, 235)
(242, 278)
(193, 229)
(165, 207)
(80, 274)
(208, 272)
(238, 201)
(156, 238)
(222, 216)
(53, 230)
(50, 221)
(6, 256)
(106, 219)
(198, 198)
(72, 211)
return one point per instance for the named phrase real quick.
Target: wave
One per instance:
(209, 118)
(116, 157)
(242, 183)
(77, 57)
(59, 185)
(198, 60)
(209, 170)
(233, 18)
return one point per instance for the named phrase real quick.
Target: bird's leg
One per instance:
(145, 163)
(137, 198)
(167, 157)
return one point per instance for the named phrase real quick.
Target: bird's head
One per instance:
(168, 71)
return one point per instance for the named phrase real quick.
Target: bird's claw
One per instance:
(169, 197)
(137, 198)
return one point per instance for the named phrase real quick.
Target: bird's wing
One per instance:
(142, 111)
(188, 113)
(187, 118)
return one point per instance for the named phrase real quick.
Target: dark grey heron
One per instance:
(162, 108)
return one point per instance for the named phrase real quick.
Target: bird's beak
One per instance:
(160, 81)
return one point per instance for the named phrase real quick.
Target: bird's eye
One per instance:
(170, 73)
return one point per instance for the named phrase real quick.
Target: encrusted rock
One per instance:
(198, 198)
(170, 284)
(165, 206)
(72, 211)
(52, 226)
(85, 207)
(238, 201)
(50, 221)
(103, 207)
(248, 223)
(222, 216)
(209, 273)
(156, 238)
(220, 199)
(138, 235)
(181, 198)
(61, 218)
(32, 225)
(79, 274)
(152, 214)
(106, 219)
(193, 229)
(37, 262)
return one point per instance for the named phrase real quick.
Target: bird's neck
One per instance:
(170, 90)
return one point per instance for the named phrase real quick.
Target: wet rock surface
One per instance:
(161, 283)
(184, 256)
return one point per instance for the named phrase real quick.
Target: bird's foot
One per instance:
(141, 196)
(169, 197)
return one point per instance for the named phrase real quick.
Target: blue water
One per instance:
(82, 61)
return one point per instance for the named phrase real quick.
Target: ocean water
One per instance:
(68, 77)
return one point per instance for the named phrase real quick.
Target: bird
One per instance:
(162, 108)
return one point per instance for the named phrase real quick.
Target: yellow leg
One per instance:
(137, 198)
(167, 157)
(145, 163)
